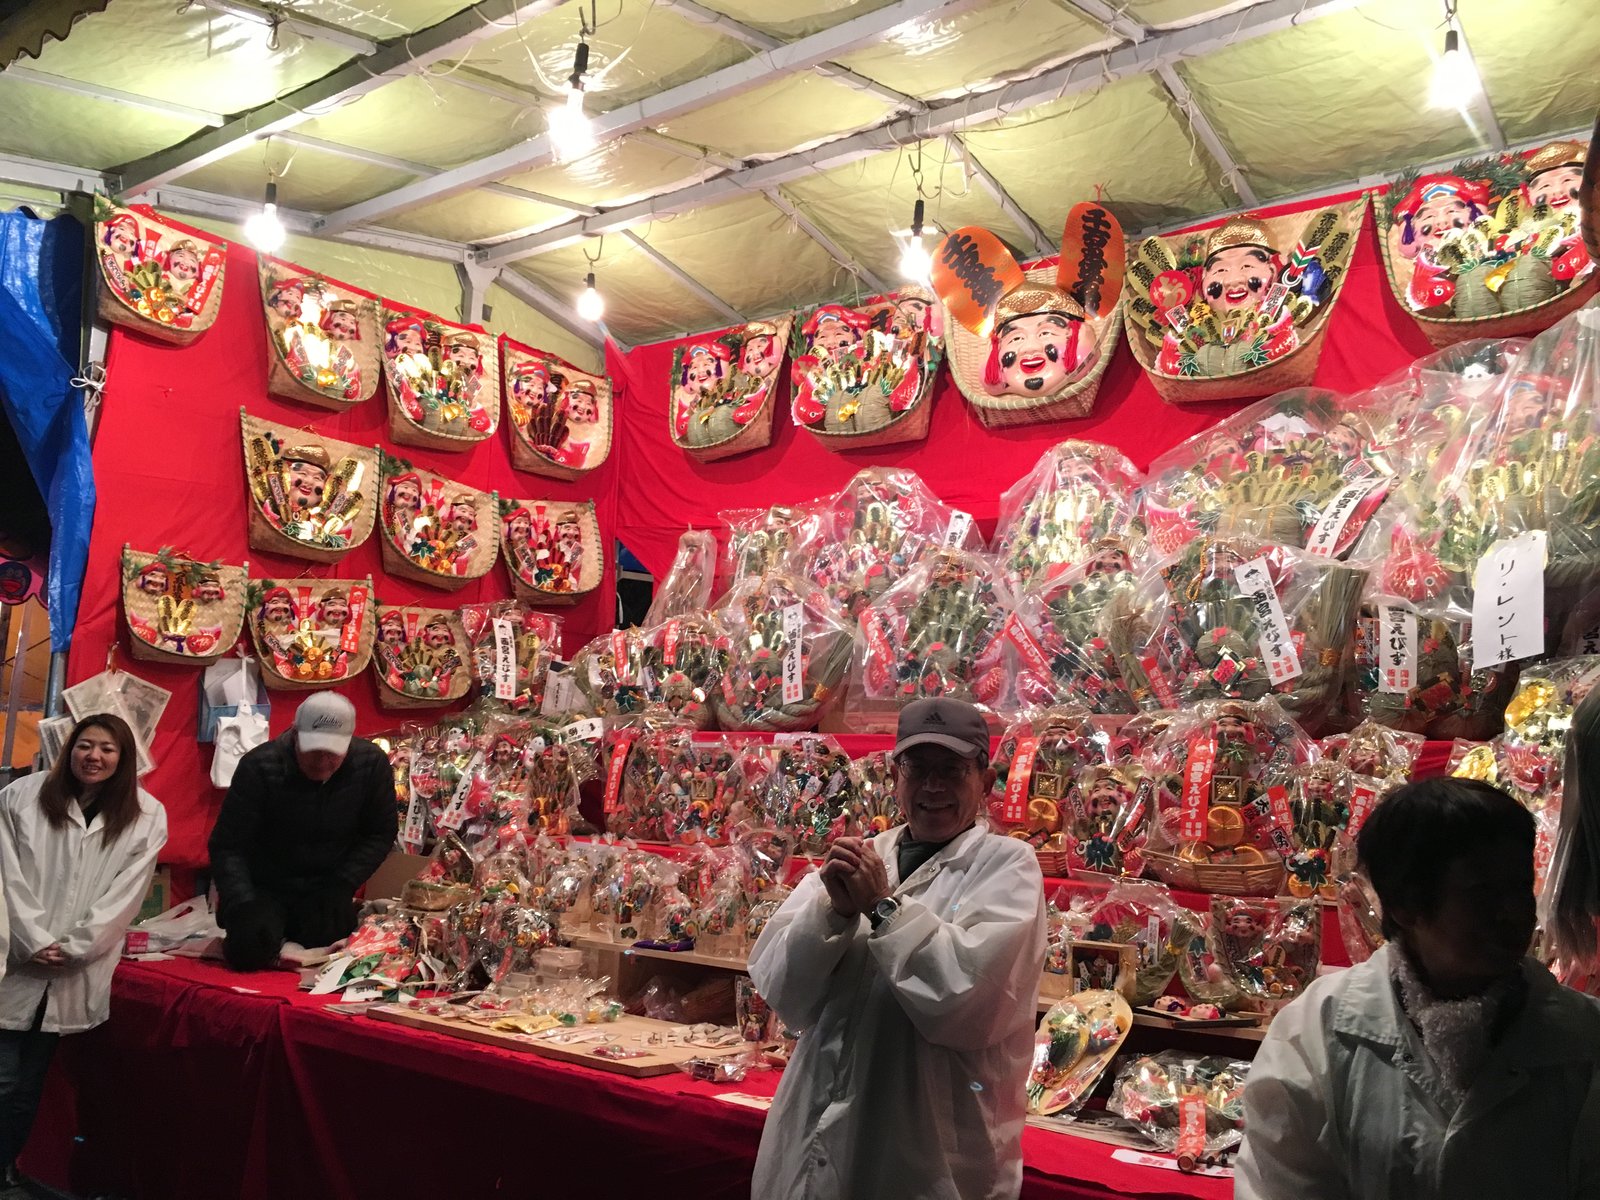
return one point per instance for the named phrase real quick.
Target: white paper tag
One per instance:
(328, 978)
(794, 688)
(1508, 600)
(960, 522)
(505, 660)
(1397, 649)
(590, 730)
(1277, 646)
(1177, 317)
(1161, 1162)
(416, 823)
(1325, 538)
(456, 811)
(561, 694)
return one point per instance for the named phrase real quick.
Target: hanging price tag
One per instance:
(1508, 600)
(1277, 646)
(590, 730)
(1327, 538)
(505, 660)
(960, 522)
(561, 694)
(794, 687)
(1397, 649)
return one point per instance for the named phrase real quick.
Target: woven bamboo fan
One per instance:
(310, 496)
(435, 531)
(178, 609)
(552, 549)
(443, 380)
(863, 377)
(560, 417)
(322, 337)
(722, 390)
(156, 276)
(1239, 309)
(1493, 247)
(420, 657)
(310, 633)
(1029, 346)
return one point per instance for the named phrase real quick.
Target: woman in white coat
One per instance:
(77, 848)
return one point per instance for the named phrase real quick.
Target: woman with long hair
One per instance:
(78, 846)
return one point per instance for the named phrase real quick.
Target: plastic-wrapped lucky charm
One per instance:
(1054, 517)
(1156, 1091)
(808, 787)
(788, 654)
(1056, 643)
(1323, 800)
(1075, 1043)
(1038, 765)
(1374, 749)
(684, 658)
(1269, 948)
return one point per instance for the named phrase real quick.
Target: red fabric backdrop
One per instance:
(170, 471)
(168, 466)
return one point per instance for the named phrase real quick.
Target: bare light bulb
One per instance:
(916, 264)
(591, 304)
(571, 130)
(1455, 83)
(264, 230)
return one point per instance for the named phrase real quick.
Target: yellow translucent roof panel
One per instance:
(946, 56)
(473, 216)
(187, 55)
(859, 205)
(380, 19)
(41, 122)
(643, 302)
(1124, 139)
(795, 18)
(1174, 12)
(1330, 100)
(790, 113)
(314, 180)
(428, 121)
(622, 170)
(531, 327)
(1537, 60)
(749, 254)
(640, 48)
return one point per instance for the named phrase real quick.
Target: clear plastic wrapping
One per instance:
(1074, 1045)
(511, 660)
(1144, 915)
(1077, 498)
(787, 655)
(1269, 948)
(1153, 1090)
(1057, 644)
(685, 590)
(807, 787)
(780, 538)
(1374, 749)
(675, 789)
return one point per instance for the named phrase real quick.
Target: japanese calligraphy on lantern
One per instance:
(1396, 649)
(1277, 647)
(794, 689)
(1508, 600)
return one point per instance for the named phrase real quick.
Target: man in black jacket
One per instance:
(307, 819)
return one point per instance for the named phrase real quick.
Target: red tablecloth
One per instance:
(207, 1084)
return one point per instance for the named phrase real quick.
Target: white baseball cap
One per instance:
(325, 721)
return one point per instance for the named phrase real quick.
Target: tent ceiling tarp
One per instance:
(765, 140)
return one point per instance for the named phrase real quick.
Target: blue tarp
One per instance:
(41, 286)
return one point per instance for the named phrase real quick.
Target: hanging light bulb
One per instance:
(264, 230)
(916, 264)
(591, 304)
(1455, 81)
(571, 130)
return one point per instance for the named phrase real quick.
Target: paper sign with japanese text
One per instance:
(1508, 599)
(1277, 646)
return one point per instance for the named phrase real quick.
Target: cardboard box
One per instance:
(392, 874)
(158, 897)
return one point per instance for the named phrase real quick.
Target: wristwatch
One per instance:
(883, 911)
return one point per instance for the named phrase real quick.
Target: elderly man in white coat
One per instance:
(911, 964)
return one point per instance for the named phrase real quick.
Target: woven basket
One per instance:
(721, 436)
(268, 475)
(1298, 366)
(969, 353)
(172, 608)
(402, 667)
(135, 287)
(417, 417)
(1226, 879)
(348, 371)
(437, 564)
(874, 423)
(299, 652)
(522, 562)
(515, 359)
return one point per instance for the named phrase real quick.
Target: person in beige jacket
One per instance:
(1449, 1065)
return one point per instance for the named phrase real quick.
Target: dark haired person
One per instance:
(78, 845)
(1450, 1064)
(912, 963)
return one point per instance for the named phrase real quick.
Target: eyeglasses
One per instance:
(946, 771)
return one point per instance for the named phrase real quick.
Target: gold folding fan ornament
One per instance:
(1028, 346)
(552, 549)
(322, 336)
(442, 380)
(310, 633)
(559, 416)
(1239, 309)
(181, 610)
(310, 496)
(722, 389)
(421, 656)
(435, 530)
(156, 275)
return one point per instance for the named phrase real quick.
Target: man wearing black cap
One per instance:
(911, 962)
